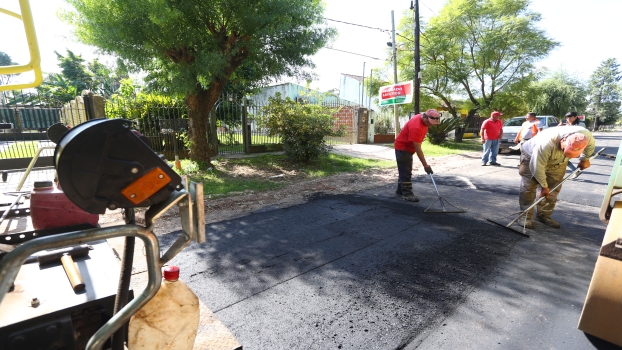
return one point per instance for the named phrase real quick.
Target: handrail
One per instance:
(614, 187)
(31, 165)
(11, 263)
(33, 47)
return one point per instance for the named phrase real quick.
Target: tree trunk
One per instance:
(467, 122)
(459, 134)
(201, 140)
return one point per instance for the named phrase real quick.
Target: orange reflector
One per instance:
(146, 185)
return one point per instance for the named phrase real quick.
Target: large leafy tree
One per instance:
(6, 60)
(556, 95)
(77, 75)
(480, 50)
(604, 90)
(200, 45)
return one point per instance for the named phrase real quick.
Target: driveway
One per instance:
(369, 271)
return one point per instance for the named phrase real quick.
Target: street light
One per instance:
(414, 5)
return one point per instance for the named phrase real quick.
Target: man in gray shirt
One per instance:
(543, 164)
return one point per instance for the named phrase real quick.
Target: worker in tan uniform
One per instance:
(543, 165)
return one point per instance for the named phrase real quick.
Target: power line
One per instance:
(358, 25)
(354, 53)
(428, 7)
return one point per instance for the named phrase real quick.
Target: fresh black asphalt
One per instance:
(370, 271)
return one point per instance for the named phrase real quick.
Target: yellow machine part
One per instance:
(602, 311)
(33, 47)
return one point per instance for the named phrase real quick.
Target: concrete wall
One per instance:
(350, 89)
(294, 91)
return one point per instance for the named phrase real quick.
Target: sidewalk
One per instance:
(367, 151)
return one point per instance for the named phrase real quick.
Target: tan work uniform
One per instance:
(543, 164)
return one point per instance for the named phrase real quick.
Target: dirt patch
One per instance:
(295, 191)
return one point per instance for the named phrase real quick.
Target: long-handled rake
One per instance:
(443, 202)
(523, 213)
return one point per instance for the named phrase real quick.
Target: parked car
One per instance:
(511, 127)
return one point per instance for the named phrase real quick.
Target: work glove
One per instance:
(428, 169)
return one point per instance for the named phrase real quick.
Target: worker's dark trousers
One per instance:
(529, 187)
(405, 169)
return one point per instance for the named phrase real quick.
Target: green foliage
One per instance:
(477, 49)
(383, 124)
(195, 47)
(302, 127)
(5, 60)
(77, 75)
(557, 95)
(605, 91)
(437, 133)
(144, 108)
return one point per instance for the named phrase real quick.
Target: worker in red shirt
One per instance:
(407, 143)
(491, 132)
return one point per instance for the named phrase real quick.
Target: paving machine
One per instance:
(60, 283)
(70, 299)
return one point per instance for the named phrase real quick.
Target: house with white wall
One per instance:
(351, 88)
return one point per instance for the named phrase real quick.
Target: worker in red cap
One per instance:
(491, 133)
(407, 143)
(543, 163)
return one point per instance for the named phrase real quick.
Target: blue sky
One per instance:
(587, 31)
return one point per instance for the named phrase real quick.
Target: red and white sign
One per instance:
(396, 94)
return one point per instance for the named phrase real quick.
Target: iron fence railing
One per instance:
(26, 116)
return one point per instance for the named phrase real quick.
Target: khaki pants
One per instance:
(529, 187)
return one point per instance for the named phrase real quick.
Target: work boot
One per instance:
(548, 221)
(528, 223)
(410, 197)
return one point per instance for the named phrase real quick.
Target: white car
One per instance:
(511, 127)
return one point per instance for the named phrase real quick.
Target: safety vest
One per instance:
(534, 131)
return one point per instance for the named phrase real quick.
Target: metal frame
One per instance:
(614, 188)
(192, 214)
(33, 47)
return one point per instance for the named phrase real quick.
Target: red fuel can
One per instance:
(50, 207)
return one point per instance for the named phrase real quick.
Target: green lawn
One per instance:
(229, 175)
(255, 173)
(25, 149)
(448, 147)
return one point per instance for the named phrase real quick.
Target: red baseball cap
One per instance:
(496, 114)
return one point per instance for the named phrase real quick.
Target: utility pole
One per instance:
(363, 88)
(397, 119)
(371, 75)
(414, 5)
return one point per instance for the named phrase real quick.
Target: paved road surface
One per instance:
(369, 271)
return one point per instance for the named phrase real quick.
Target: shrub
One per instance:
(302, 127)
(437, 134)
(383, 125)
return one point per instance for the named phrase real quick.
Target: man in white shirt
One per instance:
(529, 129)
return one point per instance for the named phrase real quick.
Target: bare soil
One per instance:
(295, 191)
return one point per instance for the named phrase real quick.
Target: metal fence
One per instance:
(164, 122)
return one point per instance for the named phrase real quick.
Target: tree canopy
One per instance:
(196, 47)
(77, 75)
(604, 90)
(480, 50)
(6, 60)
(556, 95)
